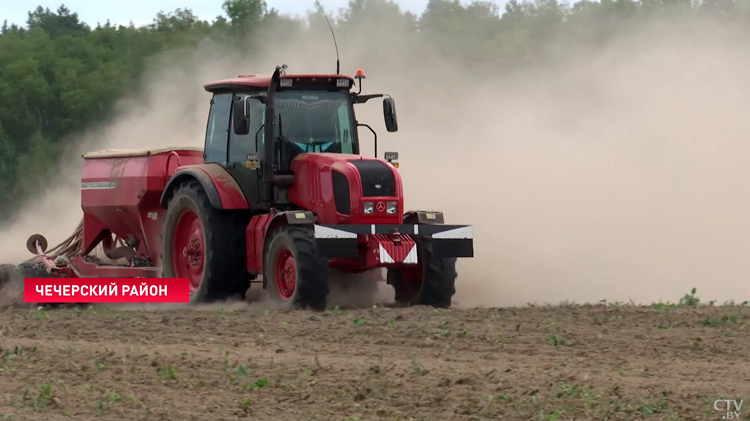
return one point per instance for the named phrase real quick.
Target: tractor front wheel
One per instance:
(205, 245)
(431, 282)
(295, 277)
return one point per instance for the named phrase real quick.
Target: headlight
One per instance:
(391, 207)
(369, 207)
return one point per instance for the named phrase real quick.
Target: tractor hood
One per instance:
(344, 188)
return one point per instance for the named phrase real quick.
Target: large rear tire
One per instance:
(295, 276)
(431, 282)
(205, 245)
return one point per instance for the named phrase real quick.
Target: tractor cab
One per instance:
(300, 113)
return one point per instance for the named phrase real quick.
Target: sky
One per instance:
(142, 12)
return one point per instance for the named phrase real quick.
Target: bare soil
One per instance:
(212, 363)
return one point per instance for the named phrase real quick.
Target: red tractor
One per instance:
(280, 191)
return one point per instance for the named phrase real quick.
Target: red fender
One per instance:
(258, 229)
(221, 188)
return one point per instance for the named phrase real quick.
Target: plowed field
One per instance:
(213, 363)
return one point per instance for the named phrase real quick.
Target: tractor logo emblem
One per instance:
(381, 206)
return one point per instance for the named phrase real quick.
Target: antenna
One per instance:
(338, 65)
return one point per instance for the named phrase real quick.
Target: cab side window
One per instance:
(344, 137)
(218, 128)
(240, 145)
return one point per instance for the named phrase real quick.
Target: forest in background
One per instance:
(60, 76)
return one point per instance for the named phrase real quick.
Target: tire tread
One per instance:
(225, 263)
(312, 272)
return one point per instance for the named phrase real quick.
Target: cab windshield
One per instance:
(315, 121)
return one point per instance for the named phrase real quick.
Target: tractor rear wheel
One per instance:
(205, 245)
(431, 282)
(293, 273)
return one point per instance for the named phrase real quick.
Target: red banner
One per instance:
(106, 290)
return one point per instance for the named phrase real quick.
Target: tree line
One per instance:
(59, 75)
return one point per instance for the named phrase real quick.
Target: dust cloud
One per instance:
(621, 176)
(618, 174)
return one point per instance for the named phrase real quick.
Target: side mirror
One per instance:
(241, 117)
(389, 112)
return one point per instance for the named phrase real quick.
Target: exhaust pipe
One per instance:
(270, 178)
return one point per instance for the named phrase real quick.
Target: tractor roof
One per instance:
(258, 82)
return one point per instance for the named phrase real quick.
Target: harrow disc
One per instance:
(31, 243)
